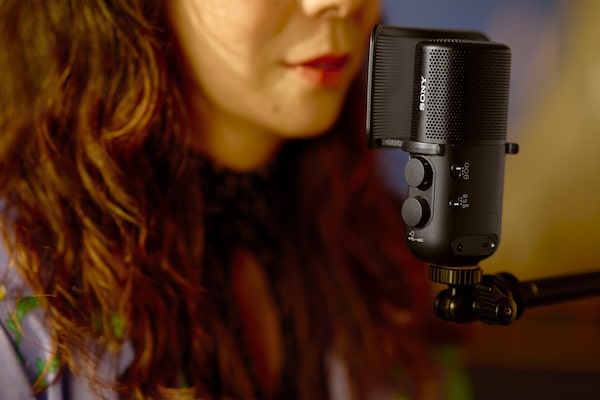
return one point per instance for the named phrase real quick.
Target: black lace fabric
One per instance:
(241, 210)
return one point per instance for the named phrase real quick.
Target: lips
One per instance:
(329, 62)
(325, 71)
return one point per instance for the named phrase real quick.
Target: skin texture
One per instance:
(246, 86)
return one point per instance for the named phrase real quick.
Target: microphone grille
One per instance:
(466, 91)
(390, 88)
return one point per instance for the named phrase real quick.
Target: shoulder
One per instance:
(28, 354)
(13, 381)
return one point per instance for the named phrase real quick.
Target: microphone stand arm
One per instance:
(501, 298)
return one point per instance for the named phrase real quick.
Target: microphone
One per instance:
(442, 96)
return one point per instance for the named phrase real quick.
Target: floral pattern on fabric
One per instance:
(27, 357)
(44, 367)
(21, 319)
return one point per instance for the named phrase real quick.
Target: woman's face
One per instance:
(282, 66)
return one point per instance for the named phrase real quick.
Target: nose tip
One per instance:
(330, 8)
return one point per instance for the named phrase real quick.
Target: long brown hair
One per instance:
(104, 210)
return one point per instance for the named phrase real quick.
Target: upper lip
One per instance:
(326, 61)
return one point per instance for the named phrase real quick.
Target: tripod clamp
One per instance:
(501, 299)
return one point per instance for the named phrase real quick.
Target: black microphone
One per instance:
(443, 97)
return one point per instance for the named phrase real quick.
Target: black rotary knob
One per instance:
(418, 173)
(415, 212)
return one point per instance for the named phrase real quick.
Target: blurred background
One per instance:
(552, 188)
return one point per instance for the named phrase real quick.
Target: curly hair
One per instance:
(103, 208)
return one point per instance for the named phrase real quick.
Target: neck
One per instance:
(230, 141)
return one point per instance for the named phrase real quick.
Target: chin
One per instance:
(307, 132)
(311, 124)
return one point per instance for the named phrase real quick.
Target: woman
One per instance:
(189, 206)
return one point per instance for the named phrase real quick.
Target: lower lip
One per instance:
(324, 77)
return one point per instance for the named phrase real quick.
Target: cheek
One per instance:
(370, 16)
(228, 45)
(239, 32)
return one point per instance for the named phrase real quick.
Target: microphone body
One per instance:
(443, 97)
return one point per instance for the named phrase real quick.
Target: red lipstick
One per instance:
(326, 71)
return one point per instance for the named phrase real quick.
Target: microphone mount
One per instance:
(501, 298)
